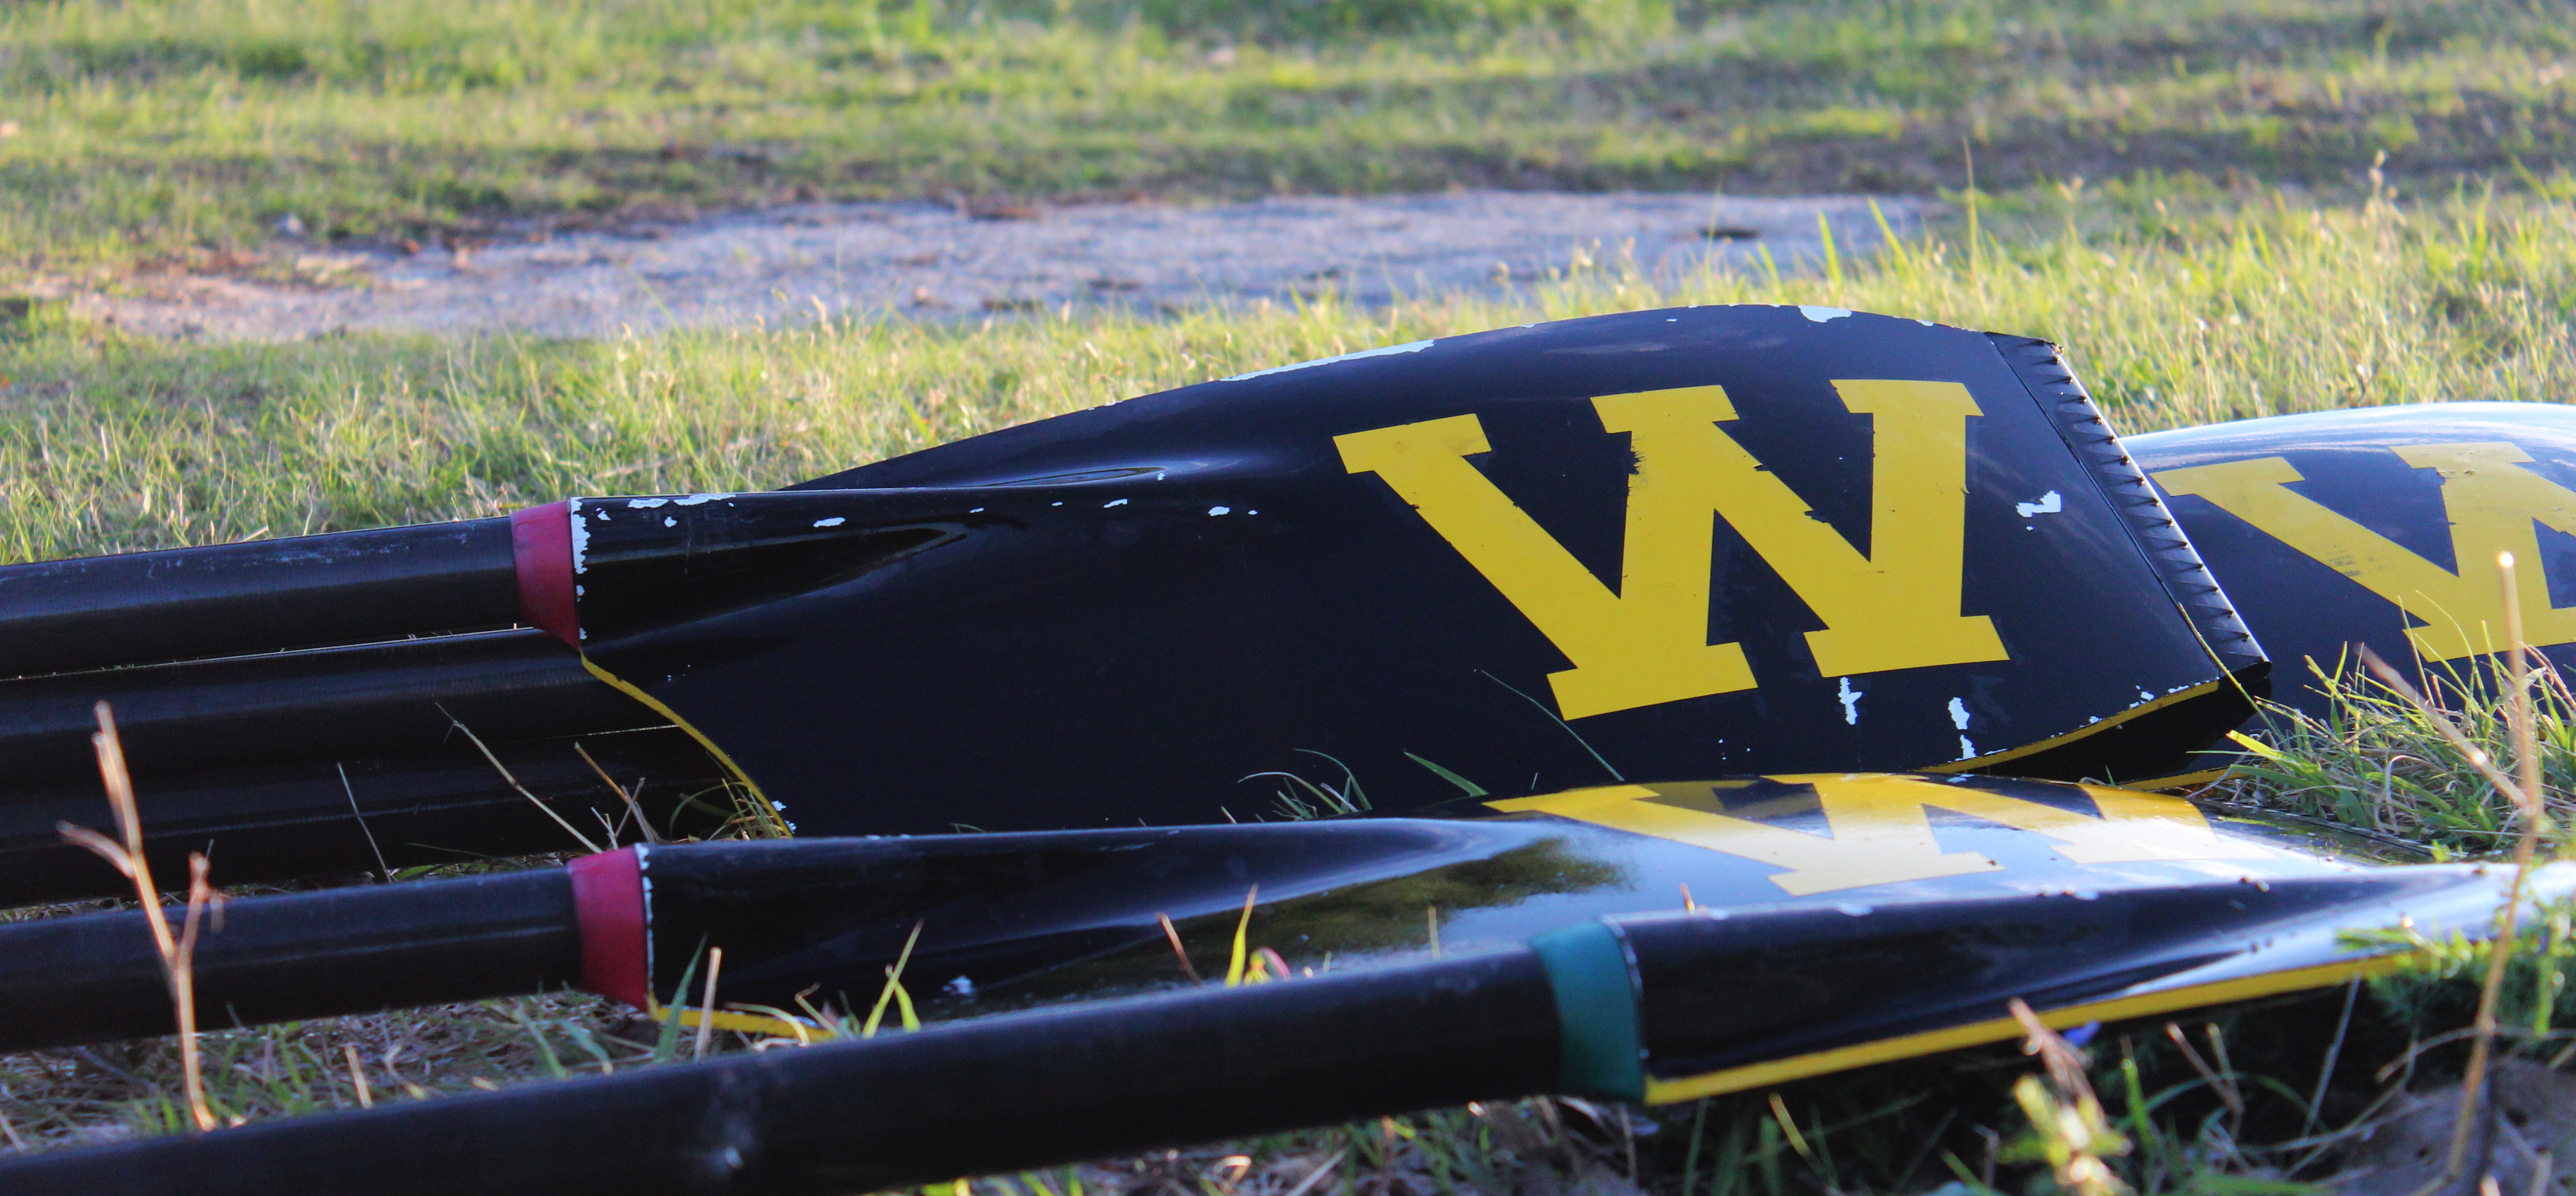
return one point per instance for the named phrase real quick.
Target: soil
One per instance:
(937, 262)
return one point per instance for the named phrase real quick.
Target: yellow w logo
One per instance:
(1895, 608)
(2492, 503)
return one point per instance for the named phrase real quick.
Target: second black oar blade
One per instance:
(1660, 1008)
(2380, 527)
(1003, 921)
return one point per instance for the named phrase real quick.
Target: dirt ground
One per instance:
(933, 261)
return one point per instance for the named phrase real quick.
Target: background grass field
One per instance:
(180, 131)
(2222, 210)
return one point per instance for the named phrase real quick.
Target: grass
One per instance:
(2236, 253)
(2181, 306)
(2178, 308)
(2379, 765)
(180, 133)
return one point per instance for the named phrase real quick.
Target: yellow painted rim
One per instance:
(2028, 749)
(719, 753)
(1932, 1042)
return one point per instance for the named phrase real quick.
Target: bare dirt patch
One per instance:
(938, 262)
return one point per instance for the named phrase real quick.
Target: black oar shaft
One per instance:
(352, 950)
(178, 719)
(962, 1099)
(261, 596)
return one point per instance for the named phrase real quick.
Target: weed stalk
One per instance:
(178, 953)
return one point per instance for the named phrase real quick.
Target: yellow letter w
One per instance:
(1895, 608)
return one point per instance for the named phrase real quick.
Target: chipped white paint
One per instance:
(667, 521)
(1850, 698)
(645, 504)
(2048, 504)
(1823, 314)
(1115, 502)
(1959, 719)
(580, 535)
(1414, 347)
(1220, 510)
(834, 521)
(695, 499)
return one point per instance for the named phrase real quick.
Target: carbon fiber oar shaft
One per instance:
(967, 1098)
(260, 596)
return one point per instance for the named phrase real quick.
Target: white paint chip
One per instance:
(1850, 699)
(834, 521)
(645, 504)
(667, 521)
(1823, 314)
(1414, 347)
(1115, 502)
(580, 535)
(1959, 713)
(2048, 504)
(695, 499)
(1220, 510)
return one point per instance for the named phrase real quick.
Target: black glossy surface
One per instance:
(2306, 608)
(1011, 920)
(333, 818)
(1720, 992)
(994, 1096)
(303, 955)
(181, 719)
(1120, 614)
(1008, 921)
(260, 596)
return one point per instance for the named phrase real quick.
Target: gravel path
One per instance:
(937, 262)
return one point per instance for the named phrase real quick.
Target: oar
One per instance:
(1649, 546)
(1658, 1008)
(2380, 527)
(808, 930)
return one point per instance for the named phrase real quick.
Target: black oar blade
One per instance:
(1656, 546)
